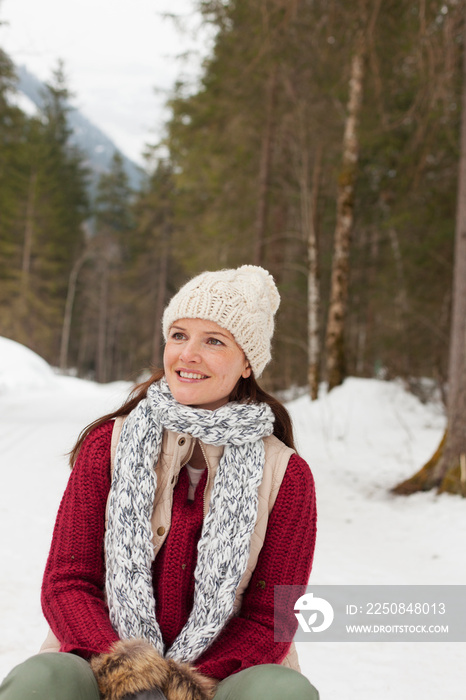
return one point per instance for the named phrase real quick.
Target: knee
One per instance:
(267, 682)
(48, 676)
(282, 682)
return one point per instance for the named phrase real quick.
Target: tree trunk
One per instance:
(157, 341)
(65, 334)
(264, 169)
(447, 469)
(313, 280)
(344, 223)
(101, 365)
(400, 301)
(28, 233)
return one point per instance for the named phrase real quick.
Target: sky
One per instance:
(121, 58)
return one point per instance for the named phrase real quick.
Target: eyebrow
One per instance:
(181, 328)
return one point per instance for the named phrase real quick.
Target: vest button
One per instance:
(160, 531)
(181, 441)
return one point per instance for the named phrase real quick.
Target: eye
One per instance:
(215, 341)
(177, 335)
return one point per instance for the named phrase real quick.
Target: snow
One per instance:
(21, 369)
(22, 101)
(360, 440)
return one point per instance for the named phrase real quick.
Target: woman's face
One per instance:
(202, 363)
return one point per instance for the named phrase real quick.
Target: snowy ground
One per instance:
(359, 440)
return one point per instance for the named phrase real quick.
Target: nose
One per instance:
(190, 351)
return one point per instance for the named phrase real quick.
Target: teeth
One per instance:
(191, 375)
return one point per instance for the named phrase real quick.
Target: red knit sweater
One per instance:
(72, 590)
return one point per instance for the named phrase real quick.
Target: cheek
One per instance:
(232, 372)
(168, 357)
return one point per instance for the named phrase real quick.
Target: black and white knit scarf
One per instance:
(223, 548)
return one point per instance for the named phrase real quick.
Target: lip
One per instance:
(199, 378)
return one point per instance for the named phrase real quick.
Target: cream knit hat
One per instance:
(243, 301)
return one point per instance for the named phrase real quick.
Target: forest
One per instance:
(321, 142)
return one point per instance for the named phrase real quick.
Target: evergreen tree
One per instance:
(447, 468)
(56, 210)
(45, 206)
(246, 144)
(104, 305)
(12, 193)
(155, 275)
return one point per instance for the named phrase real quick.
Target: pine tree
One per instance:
(155, 276)
(13, 186)
(52, 205)
(447, 468)
(103, 313)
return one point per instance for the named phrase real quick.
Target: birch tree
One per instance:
(334, 342)
(309, 206)
(344, 223)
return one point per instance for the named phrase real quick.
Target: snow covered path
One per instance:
(359, 440)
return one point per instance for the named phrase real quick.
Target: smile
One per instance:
(191, 375)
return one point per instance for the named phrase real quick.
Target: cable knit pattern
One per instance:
(223, 548)
(72, 592)
(74, 578)
(285, 559)
(174, 565)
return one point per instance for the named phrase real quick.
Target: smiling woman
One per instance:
(203, 505)
(203, 363)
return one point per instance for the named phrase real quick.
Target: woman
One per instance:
(187, 553)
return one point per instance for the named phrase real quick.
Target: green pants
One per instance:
(59, 676)
(267, 682)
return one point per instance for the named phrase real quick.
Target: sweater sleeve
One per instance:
(73, 584)
(285, 559)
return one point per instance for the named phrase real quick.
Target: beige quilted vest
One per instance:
(176, 451)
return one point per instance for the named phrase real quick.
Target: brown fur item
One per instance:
(185, 683)
(133, 666)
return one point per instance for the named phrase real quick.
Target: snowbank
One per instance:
(21, 369)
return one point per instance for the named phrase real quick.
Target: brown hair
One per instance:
(245, 391)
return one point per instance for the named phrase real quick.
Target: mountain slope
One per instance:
(88, 137)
